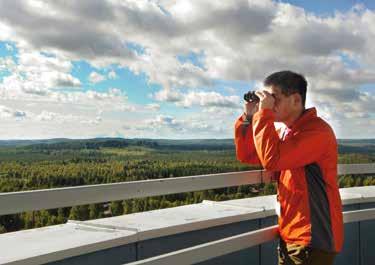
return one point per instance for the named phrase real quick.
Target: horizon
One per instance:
(175, 70)
(129, 138)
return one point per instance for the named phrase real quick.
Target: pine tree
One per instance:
(127, 206)
(61, 216)
(74, 213)
(116, 208)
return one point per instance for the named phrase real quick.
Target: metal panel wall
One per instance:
(112, 256)
(268, 251)
(350, 252)
(157, 246)
(357, 250)
(367, 238)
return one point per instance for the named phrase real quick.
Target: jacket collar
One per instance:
(307, 115)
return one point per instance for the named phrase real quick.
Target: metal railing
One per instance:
(210, 250)
(16, 202)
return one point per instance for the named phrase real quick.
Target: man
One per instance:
(304, 154)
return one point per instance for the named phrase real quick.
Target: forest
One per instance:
(44, 164)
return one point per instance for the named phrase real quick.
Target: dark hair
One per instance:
(289, 83)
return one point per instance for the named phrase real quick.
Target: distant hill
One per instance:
(345, 145)
(356, 142)
(31, 142)
(356, 145)
(96, 143)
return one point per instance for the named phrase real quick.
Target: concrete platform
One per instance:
(60, 242)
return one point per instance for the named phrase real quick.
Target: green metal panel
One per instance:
(268, 251)
(112, 256)
(350, 252)
(367, 238)
(157, 246)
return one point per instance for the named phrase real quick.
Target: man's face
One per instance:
(283, 104)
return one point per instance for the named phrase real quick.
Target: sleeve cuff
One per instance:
(263, 113)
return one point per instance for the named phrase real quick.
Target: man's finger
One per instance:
(259, 94)
(266, 93)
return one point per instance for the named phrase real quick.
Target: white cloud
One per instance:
(234, 40)
(7, 63)
(95, 121)
(8, 47)
(6, 113)
(127, 108)
(153, 106)
(163, 120)
(112, 75)
(171, 127)
(56, 118)
(96, 77)
(112, 93)
(168, 95)
(240, 48)
(207, 99)
(46, 116)
(35, 74)
(198, 98)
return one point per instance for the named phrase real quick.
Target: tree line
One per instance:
(30, 168)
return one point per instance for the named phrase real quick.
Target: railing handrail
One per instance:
(210, 250)
(16, 202)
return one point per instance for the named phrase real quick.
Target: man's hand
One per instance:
(267, 101)
(250, 108)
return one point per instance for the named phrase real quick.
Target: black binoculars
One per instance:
(251, 96)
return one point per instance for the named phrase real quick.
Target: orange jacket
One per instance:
(311, 210)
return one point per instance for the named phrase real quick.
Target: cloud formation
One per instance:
(235, 40)
(96, 77)
(6, 112)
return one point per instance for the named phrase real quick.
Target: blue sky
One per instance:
(323, 8)
(178, 70)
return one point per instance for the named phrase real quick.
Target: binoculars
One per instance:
(251, 96)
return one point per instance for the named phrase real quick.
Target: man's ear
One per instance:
(297, 99)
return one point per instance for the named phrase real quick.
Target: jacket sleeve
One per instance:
(243, 138)
(302, 149)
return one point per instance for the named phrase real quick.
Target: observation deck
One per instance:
(241, 231)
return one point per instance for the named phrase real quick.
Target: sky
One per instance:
(178, 69)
